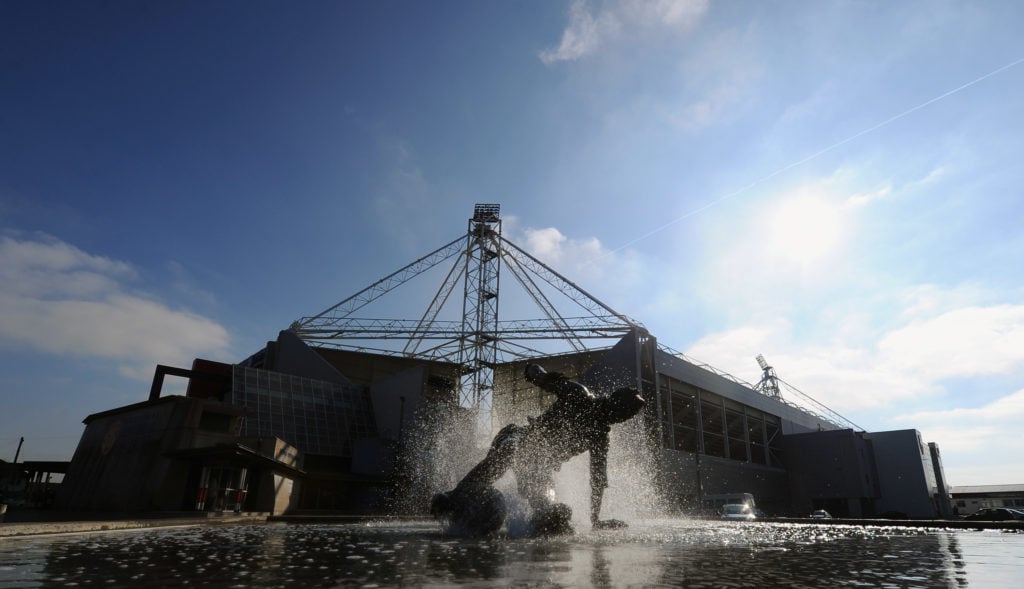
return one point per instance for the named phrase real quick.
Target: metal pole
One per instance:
(18, 453)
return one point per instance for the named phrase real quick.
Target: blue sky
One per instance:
(836, 185)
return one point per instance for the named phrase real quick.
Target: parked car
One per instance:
(738, 511)
(995, 514)
(820, 514)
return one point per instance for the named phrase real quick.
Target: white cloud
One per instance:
(934, 175)
(737, 348)
(906, 362)
(587, 30)
(582, 35)
(583, 260)
(969, 436)
(961, 343)
(612, 276)
(1009, 409)
(873, 383)
(48, 267)
(57, 299)
(862, 198)
(924, 301)
(555, 249)
(843, 377)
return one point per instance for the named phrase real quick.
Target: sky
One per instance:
(834, 184)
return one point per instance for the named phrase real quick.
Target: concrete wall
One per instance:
(616, 368)
(130, 459)
(832, 470)
(681, 471)
(284, 496)
(363, 369)
(396, 400)
(119, 463)
(943, 497)
(291, 355)
(905, 476)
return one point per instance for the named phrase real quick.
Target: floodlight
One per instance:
(486, 212)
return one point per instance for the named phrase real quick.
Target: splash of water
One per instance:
(445, 445)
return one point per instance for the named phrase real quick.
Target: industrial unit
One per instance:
(345, 413)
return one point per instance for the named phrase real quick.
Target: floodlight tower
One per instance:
(769, 384)
(478, 344)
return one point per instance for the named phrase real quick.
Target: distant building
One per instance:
(31, 484)
(968, 499)
(175, 453)
(284, 430)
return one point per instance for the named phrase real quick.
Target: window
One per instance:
(712, 422)
(679, 415)
(306, 413)
(755, 432)
(773, 433)
(665, 414)
(737, 430)
(684, 410)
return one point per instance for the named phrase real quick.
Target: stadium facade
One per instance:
(289, 430)
(301, 426)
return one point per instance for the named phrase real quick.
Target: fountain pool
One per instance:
(650, 553)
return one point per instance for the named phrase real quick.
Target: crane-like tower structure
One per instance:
(769, 384)
(481, 339)
(478, 346)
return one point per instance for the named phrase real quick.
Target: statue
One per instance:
(578, 421)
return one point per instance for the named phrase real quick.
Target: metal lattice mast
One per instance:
(476, 343)
(478, 346)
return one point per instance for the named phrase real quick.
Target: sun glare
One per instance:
(804, 230)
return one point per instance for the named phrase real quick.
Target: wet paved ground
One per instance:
(654, 553)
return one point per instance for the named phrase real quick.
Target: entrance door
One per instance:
(222, 488)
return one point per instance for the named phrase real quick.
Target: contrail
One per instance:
(814, 155)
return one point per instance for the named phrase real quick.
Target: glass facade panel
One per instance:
(714, 445)
(695, 420)
(755, 431)
(737, 430)
(665, 415)
(684, 410)
(316, 417)
(686, 439)
(711, 418)
(773, 434)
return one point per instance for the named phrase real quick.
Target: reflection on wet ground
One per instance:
(653, 553)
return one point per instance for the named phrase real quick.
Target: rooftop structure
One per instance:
(471, 334)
